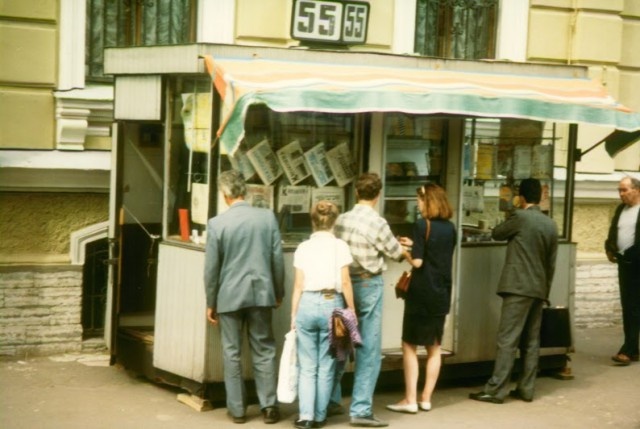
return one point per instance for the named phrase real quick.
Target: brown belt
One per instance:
(366, 275)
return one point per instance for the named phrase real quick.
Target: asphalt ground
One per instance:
(82, 391)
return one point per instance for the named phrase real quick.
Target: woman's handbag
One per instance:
(402, 285)
(288, 371)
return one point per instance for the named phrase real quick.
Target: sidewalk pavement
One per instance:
(82, 391)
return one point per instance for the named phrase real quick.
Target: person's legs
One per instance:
(307, 349)
(629, 283)
(231, 339)
(434, 362)
(368, 298)
(411, 372)
(512, 319)
(263, 355)
(530, 350)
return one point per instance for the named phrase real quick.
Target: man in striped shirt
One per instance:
(370, 240)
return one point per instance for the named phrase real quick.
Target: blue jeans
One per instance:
(367, 294)
(316, 365)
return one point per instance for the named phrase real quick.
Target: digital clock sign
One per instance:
(330, 21)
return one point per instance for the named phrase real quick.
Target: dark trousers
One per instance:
(629, 280)
(519, 328)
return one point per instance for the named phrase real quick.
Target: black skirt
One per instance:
(421, 330)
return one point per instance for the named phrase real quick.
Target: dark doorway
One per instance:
(94, 288)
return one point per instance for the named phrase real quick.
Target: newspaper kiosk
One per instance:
(301, 125)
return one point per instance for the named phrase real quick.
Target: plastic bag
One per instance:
(288, 371)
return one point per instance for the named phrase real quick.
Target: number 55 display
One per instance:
(330, 21)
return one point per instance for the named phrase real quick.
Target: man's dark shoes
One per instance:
(622, 359)
(318, 425)
(271, 415)
(237, 419)
(516, 394)
(303, 424)
(485, 397)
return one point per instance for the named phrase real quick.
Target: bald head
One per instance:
(629, 191)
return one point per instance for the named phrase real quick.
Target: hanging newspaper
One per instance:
(542, 161)
(316, 158)
(199, 203)
(341, 164)
(473, 198)
(196, 117)
(240, 161)
(265, 162)
(260, 196)
(292, 161)
(521, 161)
(332, 194)
(295, 199)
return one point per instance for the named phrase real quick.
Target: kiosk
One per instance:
(301, 125)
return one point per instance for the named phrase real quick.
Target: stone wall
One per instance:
(597, 299)
(40, 310)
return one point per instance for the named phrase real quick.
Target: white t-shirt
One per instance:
(321, 258)
(627, 227)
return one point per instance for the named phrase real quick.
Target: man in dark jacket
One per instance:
(623, 248)
(524, 287)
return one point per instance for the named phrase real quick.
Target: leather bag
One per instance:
(402, 285)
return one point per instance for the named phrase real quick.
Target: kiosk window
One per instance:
(188, 154)
(497, 155)
(292, 160)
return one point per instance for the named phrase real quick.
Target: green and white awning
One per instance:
(288, 86)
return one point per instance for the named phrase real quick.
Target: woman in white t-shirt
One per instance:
(321, 284)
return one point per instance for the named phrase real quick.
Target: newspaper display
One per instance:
(542, 160)
(473, 198)
(341, 164)
(521, 161)
(240, 161)
(297, 199)
(545, 200)
(332, 194)
(196, 117)
(199, 203)
(485, 168)
(265, 162)
(292, 161)
(316, 158)
(260, 196)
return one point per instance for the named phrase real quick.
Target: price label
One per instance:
(330, 21)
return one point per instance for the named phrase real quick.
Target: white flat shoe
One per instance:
(403, 408)
(424, 406)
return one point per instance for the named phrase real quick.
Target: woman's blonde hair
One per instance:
(323, 215)
(435, 202)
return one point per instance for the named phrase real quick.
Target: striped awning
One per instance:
(288, 86)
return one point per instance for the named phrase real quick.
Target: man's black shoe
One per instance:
(317, 425)
(271, 415)
(515, 393)
(303, 424)
(485, 397)
(237, 419)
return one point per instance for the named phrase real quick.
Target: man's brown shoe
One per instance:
(621, 359)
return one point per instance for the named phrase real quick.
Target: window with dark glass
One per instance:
(123, 23)
(463, 29)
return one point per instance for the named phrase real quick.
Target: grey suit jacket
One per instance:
(531, 253)
(244, 266)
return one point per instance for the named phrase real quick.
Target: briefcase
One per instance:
(555, 329)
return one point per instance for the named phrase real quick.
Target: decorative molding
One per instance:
(82, 237)
(71, 44)
(404, 27)
(216, 22)
(513, 29)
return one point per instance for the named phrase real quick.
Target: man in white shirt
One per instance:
(623, 248)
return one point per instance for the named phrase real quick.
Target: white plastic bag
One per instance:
(288, 372)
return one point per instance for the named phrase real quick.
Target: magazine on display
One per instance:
(316, 158)
(297, 199)
(265, 162)
(260, 196)
(333, 194)
(292, 161)
(341, 164)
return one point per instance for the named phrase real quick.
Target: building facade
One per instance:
(57, 113)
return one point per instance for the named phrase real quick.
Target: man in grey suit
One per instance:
(524, 287)
(244, 281)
